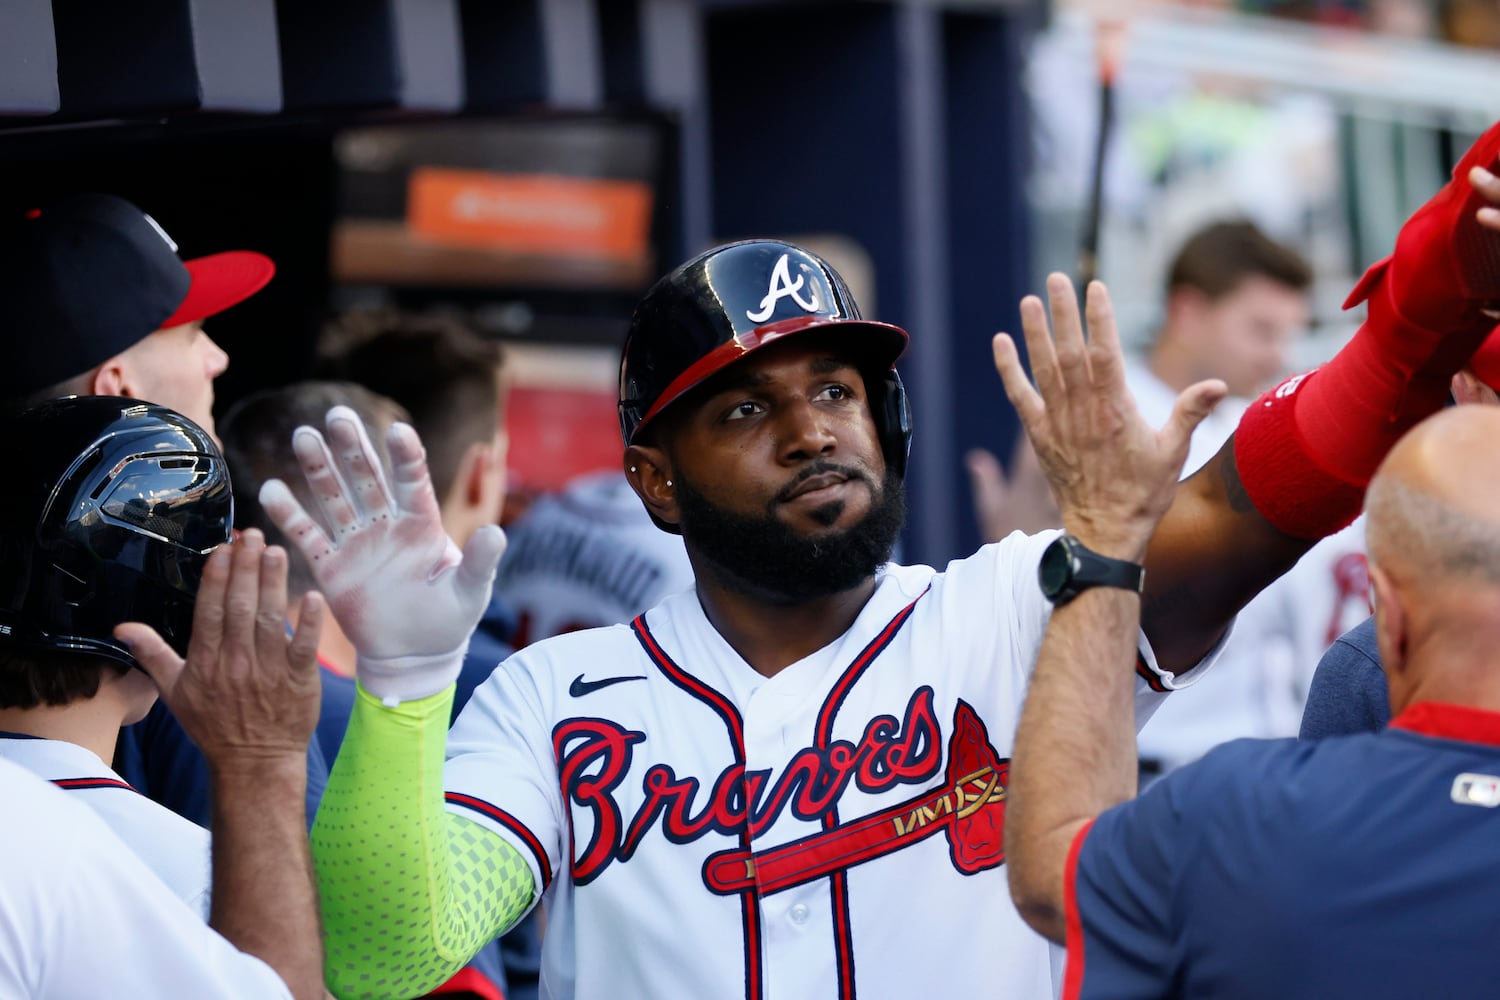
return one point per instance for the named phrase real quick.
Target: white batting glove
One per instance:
(396, 583)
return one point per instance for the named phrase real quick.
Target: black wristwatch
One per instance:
(1068, 568)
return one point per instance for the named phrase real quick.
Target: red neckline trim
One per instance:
(1452, 722)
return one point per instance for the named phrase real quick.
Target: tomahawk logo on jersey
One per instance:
(799, 815)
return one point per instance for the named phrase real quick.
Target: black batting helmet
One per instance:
(110, 509)
(733, 300)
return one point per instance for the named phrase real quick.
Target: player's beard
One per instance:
(764, 558)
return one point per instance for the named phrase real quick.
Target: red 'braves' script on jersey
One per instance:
(969, 808)
(595, 754)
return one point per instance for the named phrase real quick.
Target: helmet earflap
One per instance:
(893, 419)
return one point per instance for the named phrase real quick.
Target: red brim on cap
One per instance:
(221, 280)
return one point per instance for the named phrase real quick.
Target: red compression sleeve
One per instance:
(1306, 449)
(1486, 361)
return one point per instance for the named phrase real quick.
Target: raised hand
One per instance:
(247, 688)
(398, 586)
(1113, 474)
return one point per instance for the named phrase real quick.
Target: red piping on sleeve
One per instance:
(1073, 966)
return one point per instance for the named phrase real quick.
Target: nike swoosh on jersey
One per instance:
(581, 687)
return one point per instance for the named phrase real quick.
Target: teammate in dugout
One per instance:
(792, 782)
(118, 509)
(1358, 866)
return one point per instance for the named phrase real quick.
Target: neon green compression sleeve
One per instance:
(409, 891)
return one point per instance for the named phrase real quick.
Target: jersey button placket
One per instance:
(797, 914)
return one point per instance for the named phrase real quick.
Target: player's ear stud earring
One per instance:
(669, 482)
(632, 468)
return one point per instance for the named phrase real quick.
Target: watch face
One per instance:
(1055, 569)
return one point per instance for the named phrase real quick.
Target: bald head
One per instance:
(1434, 504)
(1434, 541)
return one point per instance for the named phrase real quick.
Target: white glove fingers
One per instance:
(323, 478)
(296, 526)
(482, 552)
(413, 483)
(359, 464)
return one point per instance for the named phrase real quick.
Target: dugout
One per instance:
(895, 127)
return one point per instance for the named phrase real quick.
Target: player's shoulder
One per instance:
(905, 580)
(1270, 777)
(1013, 557)
(570, 648)
(539, 675)
(1242, 755)
(51, 814)
(1356, 646)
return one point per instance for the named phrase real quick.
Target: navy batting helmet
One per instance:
(110, 510)
(733, 300)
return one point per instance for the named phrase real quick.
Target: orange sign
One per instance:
(530, 213)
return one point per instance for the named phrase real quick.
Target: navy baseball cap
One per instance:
(90, 276)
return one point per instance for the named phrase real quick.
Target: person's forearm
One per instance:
(1074, 754)
(263, 900)
(409, 891)
(1190, 600)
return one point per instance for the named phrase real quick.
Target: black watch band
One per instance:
(1068, 568)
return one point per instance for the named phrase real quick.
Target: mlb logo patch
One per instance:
(1477, 790)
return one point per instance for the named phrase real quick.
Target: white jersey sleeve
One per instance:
(81, 916)
(501, 766)
(998, 587)
(175, 849)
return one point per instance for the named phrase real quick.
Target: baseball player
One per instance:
(101, 304)
(791, 781)
(110, 514)
(80, 916)
(1348, 693)
(95, 300)
(116, 509)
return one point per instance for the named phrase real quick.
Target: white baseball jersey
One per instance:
(701, 830)
(80, 916)
(586, 557)
(176, 849)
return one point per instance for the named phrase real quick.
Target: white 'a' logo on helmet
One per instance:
(782, 286)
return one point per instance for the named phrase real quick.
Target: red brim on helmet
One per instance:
(880, 344)
(221, 280)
